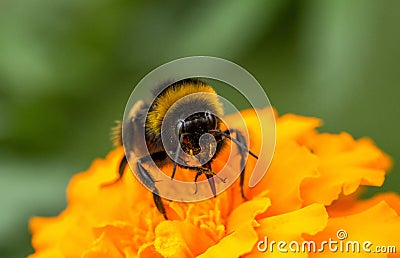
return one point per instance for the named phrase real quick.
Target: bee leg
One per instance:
(241, 143)
(159, 203)
(243, 150)
(211, 181)
(175, 161)
(178, 150)
(195, 180)
(206, 170)
(148, 180)
(121, 168)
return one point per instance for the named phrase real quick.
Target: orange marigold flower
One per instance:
(309, 193)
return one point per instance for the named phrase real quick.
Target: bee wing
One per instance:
(133, 130)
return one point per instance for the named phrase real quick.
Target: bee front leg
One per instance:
(241, 141)
(206, 170)
(195, 180)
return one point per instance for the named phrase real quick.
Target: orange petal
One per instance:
(252, 125)
(124, 235)
(291, 165)
(126, 200)
(102, 247)
(241, 235)
(51, 233)
(292, 127)
(379, 224)
(288, 227)
(348, 206)
(246, 213)
(238, 243)
(101, 171)
(345, 164)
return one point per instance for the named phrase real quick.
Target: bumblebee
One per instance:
(169, 101)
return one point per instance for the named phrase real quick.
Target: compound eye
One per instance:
(208, 115)
(180, 126)
(210, 118)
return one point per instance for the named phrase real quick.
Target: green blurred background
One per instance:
(67, 69)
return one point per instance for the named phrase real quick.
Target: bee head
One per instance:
(195, 134)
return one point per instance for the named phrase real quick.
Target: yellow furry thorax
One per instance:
(167, 98)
